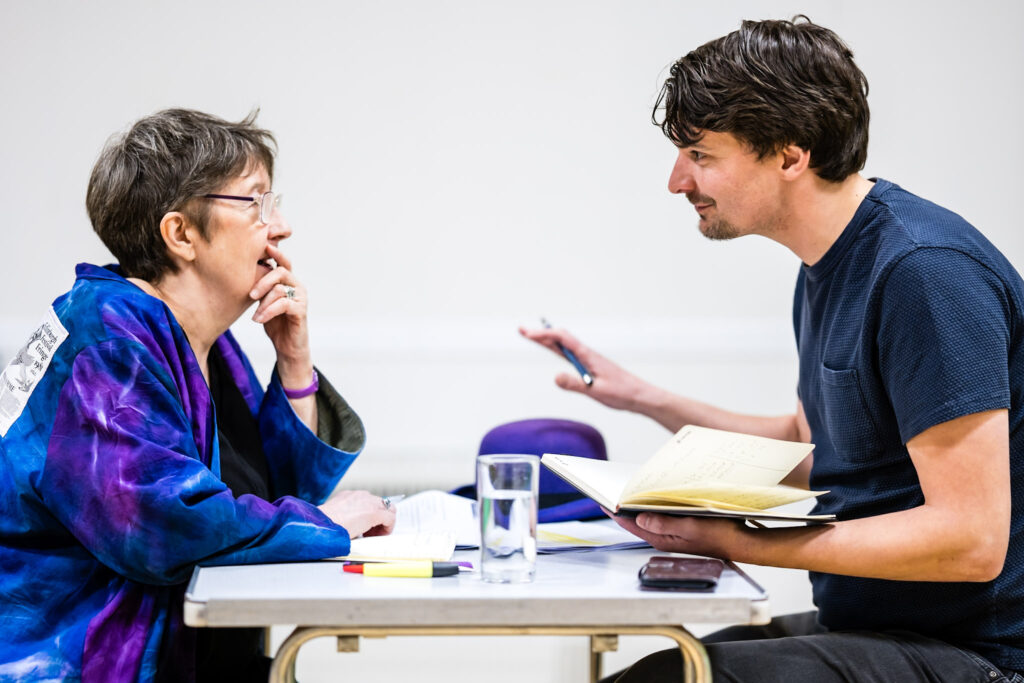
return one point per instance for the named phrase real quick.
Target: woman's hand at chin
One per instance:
(284, 320)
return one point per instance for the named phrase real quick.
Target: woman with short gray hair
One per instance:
(135, 439)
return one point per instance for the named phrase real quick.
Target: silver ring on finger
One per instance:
(387, 502)
(289, 292)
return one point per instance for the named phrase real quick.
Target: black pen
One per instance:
(571, 357)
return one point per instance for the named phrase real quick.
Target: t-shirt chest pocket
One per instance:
(850, 428)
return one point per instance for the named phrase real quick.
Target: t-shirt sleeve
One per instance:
(123, 474)
(943, 339)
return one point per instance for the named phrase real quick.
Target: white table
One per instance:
(594, 594)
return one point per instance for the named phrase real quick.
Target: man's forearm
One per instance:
(920, 544)
(960, 533)
(673, 412)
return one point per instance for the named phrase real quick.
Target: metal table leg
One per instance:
(696, 667)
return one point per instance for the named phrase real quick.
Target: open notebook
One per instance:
(698, 472)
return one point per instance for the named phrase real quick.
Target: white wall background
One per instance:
(454, 168)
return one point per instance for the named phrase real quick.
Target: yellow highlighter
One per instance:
(416, 569)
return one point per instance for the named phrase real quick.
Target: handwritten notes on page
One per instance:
(700, 456)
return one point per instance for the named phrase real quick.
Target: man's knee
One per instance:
(666, 665)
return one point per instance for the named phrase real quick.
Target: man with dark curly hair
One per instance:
(910, 332)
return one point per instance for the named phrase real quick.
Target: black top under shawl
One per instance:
(234, 653)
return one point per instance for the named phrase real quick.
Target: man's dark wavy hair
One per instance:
(772, 84)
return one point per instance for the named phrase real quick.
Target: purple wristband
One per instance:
(306, 391)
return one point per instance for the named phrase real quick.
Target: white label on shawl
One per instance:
(22, 375)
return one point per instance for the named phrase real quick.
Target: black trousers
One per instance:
(231, 654)
(795, 649)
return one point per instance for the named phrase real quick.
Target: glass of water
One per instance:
(507, 495)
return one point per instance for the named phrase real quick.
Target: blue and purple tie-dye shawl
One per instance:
(110, 494)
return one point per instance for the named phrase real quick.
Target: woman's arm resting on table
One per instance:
(360, 512)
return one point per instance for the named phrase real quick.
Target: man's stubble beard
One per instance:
(718, 229)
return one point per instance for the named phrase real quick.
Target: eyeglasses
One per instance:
(268, 202)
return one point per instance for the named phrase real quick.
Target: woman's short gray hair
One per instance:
(161, 164)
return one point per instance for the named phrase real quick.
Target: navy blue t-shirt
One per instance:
(912, 318)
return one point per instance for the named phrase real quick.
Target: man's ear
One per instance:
(794, 161)
(179, 235)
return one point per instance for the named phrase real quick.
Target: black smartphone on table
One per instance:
(681, 573)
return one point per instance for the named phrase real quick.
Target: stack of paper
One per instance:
(438, 512)
(561, 537)
(437, 546)
(432, 524)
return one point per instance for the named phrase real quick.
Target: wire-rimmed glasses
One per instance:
(268, 202)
